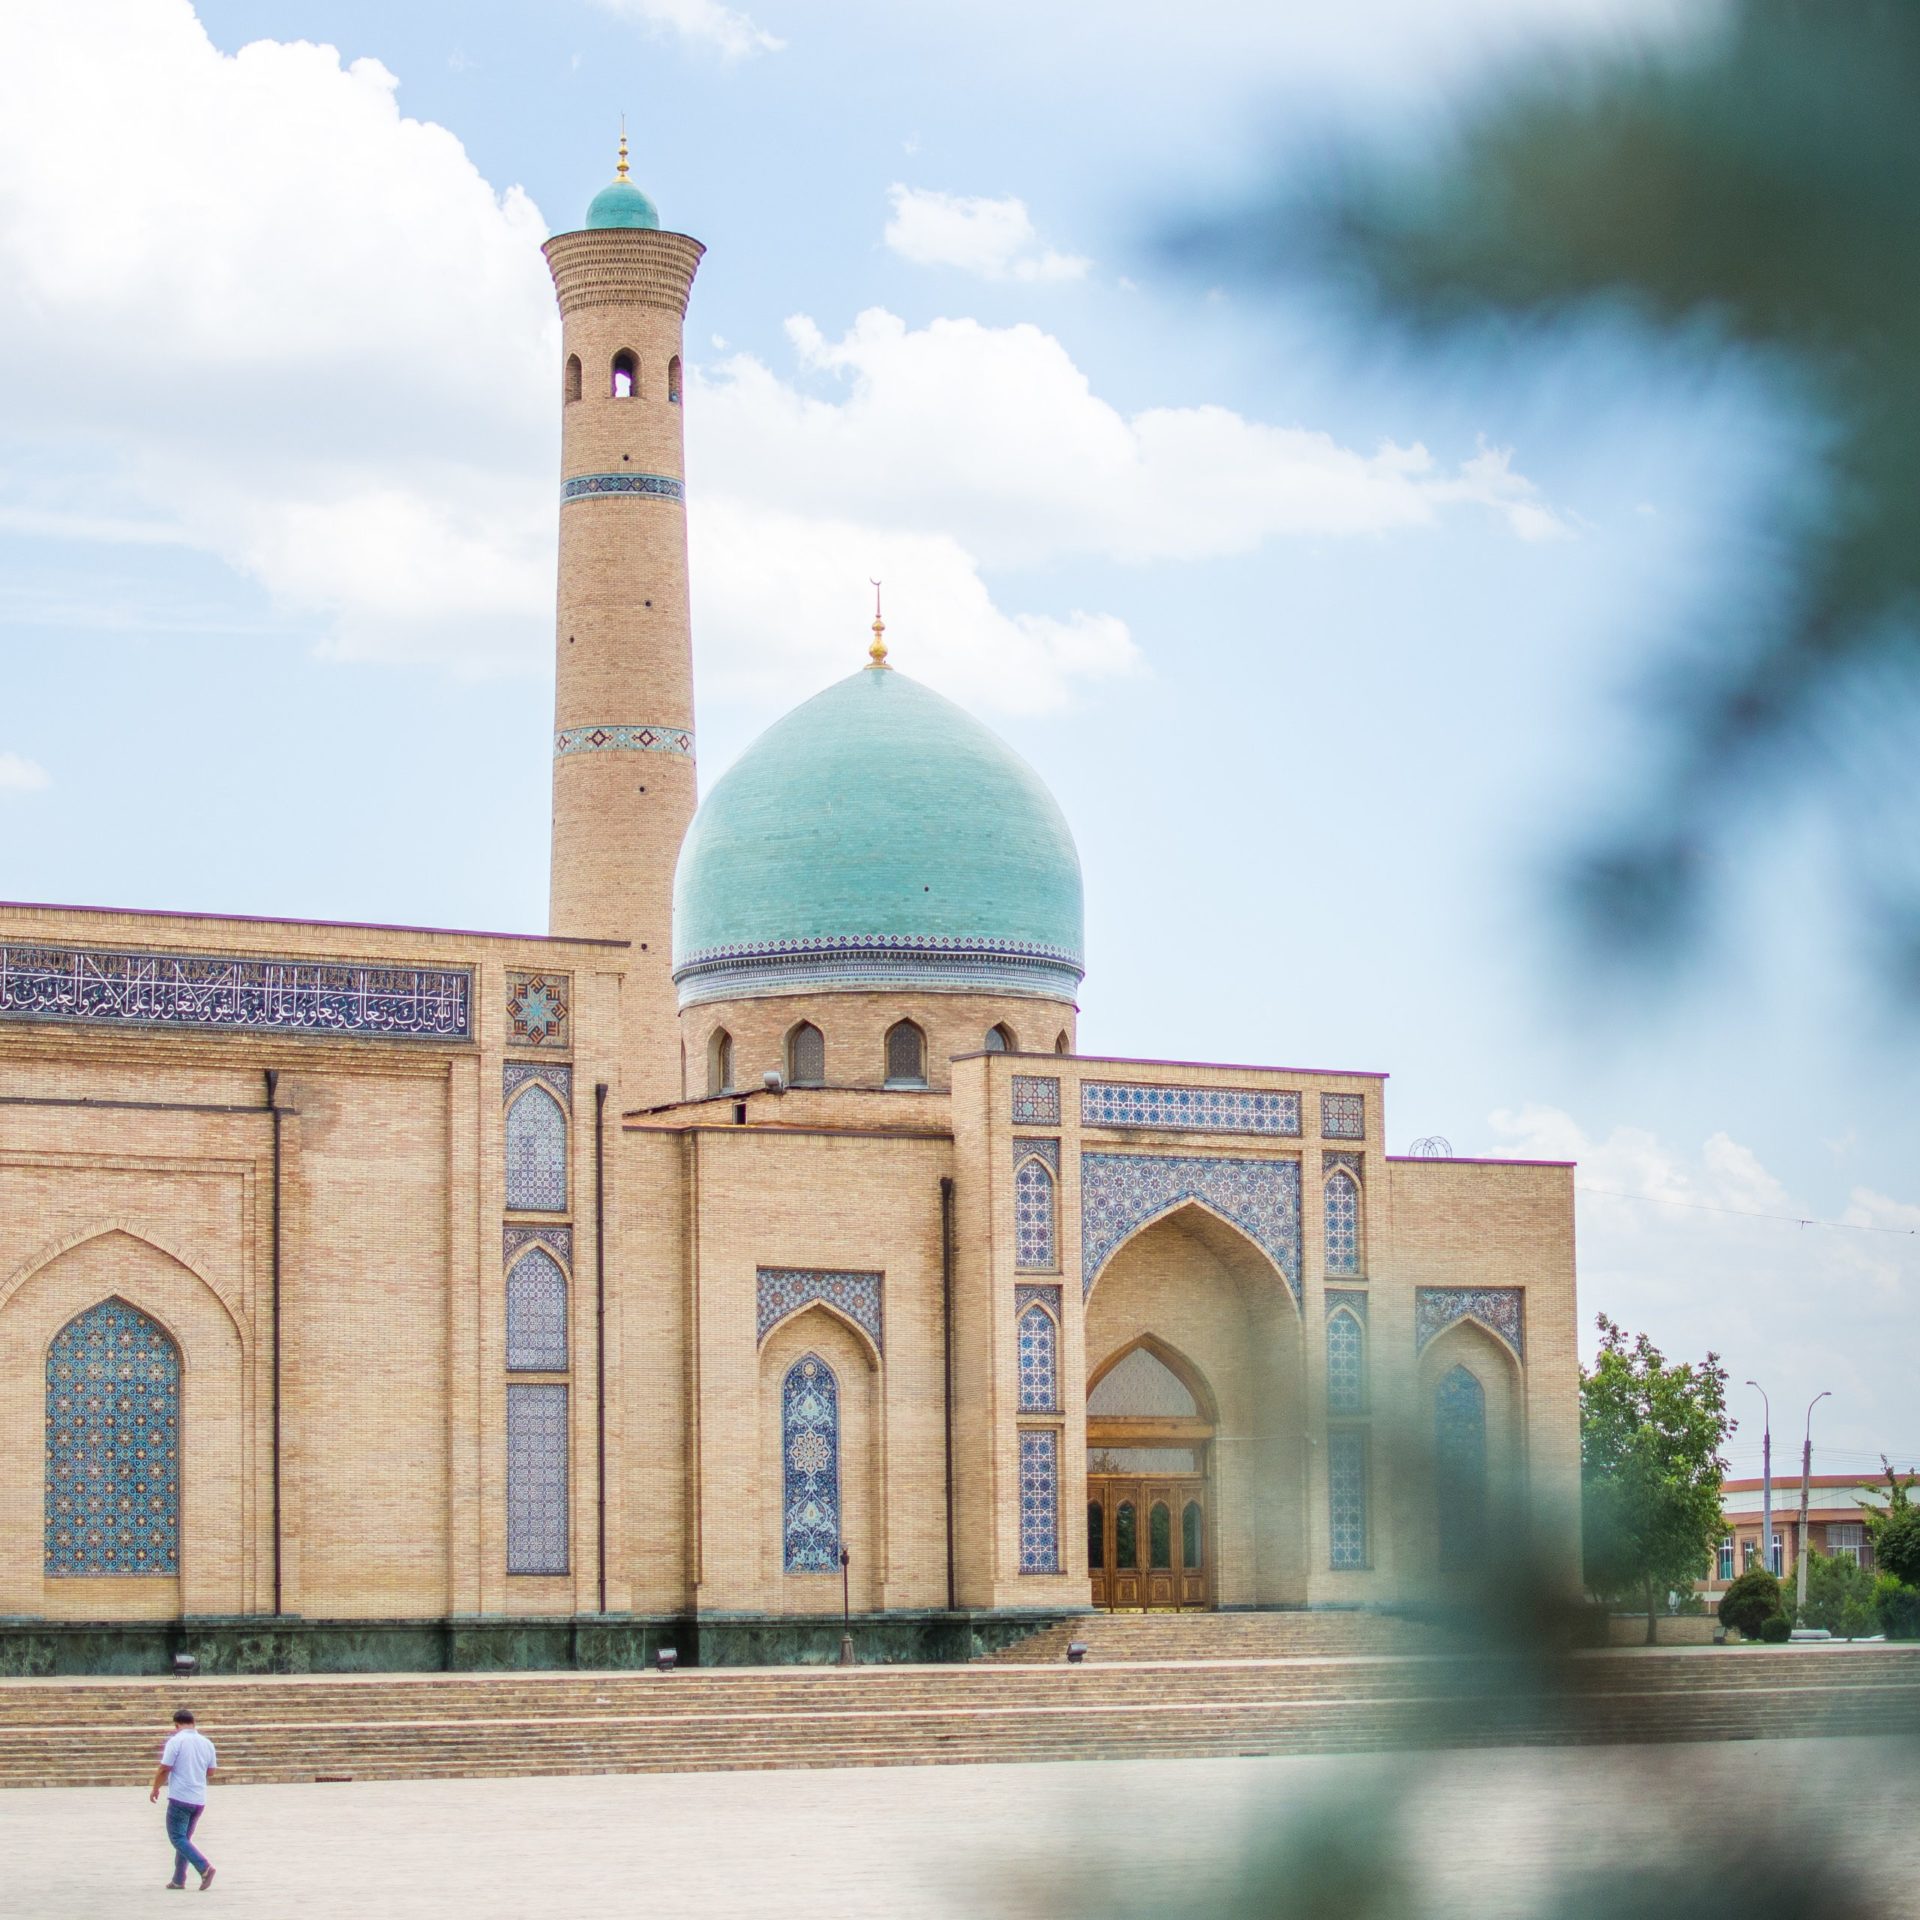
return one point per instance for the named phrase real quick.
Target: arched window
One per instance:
(1346, 1363)
(906, 1055)
(1039, 1348)
(536, 1314)
(1192, 1547)
(536, 1153)
(1126, 1541)
(1460, 1467)
(810, 1457)
(1060, 1045)
(1033, 1237)
(673, 380)
(807, 1056)
(1140, 1385)
(1096, 1536)
(113, 1446)
(1160, 1538)
(573, 377)
(1000, 1039)
(1347, 1497)
(720, 1061)
(626, 374)
(1343, 1222)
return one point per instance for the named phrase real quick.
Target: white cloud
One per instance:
(992, 238)
(1701, 1249)
(293, 329)
(995, 436)
(729, 32)
(18, 774)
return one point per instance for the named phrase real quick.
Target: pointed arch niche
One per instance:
(1470, 1418)
(1207, 1309)
(224, 1557)
(830, 1341)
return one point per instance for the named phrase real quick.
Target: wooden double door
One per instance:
(1148, 1541)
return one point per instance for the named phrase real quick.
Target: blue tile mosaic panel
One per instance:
(536, 1314)
(1039, 1500)
(1033, 1214)
(1347, 1499)
(1502, 1309)
(1343, 1116)
(1347, 1299)
(1122, 1191)
(1460, 1467)
(124, 989)
(519, 1073)
(536, 1153)
(537, 1008)
(1346, 1363)
(1036, 1100)
(558, 1240)
(637, 737)
(1038, 1338)
(597, 486)
(537, 1505)
(1109, 1103)
(810, 1461)
(1343, 1222)
(784, 1290)
(113, 1446)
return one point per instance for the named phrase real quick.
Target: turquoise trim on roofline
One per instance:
(877, 965)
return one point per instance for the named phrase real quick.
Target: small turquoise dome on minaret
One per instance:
(621, 203)
(878, 836)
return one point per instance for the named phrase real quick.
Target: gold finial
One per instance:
(620, 172)
(877, 653)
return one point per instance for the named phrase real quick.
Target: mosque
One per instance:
(756, 1243)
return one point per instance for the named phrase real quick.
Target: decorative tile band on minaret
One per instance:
(624, 642)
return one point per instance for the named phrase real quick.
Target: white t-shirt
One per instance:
(189, 1758)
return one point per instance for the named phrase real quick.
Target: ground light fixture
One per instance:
(666, 1658)
(1076, 1652)
(185, 1665)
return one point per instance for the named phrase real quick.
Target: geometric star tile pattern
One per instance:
(1121, 1191)
(810, 1455)
(1039, 1500)
(785, 1290)
(537, 1008)
(1435, 1309)
(537, 1479)
(1108, 1103)
(113, 1446)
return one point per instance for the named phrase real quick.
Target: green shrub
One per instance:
(1840, 1596)
(1776, 1629)
(1751, 1599)
(1896, 1546)
(1898, 1607)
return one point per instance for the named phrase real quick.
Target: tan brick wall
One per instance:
(854, 1027)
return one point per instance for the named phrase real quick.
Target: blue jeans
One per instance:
(181, 1821)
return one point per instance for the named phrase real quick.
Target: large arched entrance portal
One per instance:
(1196, 1469)
(1149, 1432)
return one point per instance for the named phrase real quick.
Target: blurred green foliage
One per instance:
(1839, 1596)
(1747, 192)
(1750, 1600)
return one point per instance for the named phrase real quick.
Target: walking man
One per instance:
(185, 1762)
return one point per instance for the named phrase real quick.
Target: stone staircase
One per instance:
(1224, 1636)
(106, 1732)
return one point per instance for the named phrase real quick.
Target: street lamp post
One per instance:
(1766, 1480)
(1806, 1483)
(846, 1610)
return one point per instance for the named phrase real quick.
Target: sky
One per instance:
(1328, 650)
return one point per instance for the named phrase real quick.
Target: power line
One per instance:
(1745, 1213)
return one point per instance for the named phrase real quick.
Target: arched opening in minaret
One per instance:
(1060, 1045)
(1000, 1039)
(626, 374)
(906, 1055)
(573, 377)
(673, 380)
(720, 1062)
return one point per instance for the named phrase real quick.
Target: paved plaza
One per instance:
(1493, 1832)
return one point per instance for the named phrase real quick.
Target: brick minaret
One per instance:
(623, 771)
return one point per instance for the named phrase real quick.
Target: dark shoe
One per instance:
(176, 1886)
(206, 1879)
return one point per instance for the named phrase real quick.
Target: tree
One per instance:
(1750, 1601)
(1840, 1596)
(1897, 1492)
(1896, 1546)
(1651, 1432)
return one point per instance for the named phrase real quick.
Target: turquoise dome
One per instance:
(878, 836)
(622, 204)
